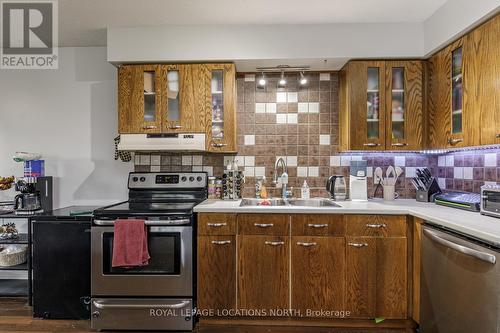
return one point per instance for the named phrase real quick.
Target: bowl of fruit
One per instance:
(6, 183)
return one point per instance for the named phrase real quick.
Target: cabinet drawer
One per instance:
(376, 225)
(260, 224)
(318, 225)
(217, 224)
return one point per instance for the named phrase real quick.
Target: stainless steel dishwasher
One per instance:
(460, 284)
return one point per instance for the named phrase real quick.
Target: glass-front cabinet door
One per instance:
(139, 99)
(221, 114)
(456, 113)
(404, 105)
(366, 87)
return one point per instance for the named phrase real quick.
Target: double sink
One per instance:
(289, 202)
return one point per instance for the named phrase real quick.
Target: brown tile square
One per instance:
(281, 139)
(490, 174)
(176, 160)
(303, 149)
(479, 160)
(250, 107)
(260, 97)
(281, 128)
(324, 129)
(313, 150)
(291, 150)
(303, 129)
(469, 160)
(293, 107)
(313, 118)
(292, 139)
(271, 129)
(302, 96)
(325, 85)
(271, 97)
(281, 108)
(324, 118)
(302, 160)
(324, 97)
(324, 151)
(302, 118)
(240, 107)
(314, 139)
(313, 96)
(477, 186)
(166, 160)
(270, 118)
(260, 118)
(478, 173)
(292, 129)
(249, 97)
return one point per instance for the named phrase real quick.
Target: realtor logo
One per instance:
(29, 35)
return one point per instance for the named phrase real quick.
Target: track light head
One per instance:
(282, 81)
(262, 80)
(303, 79)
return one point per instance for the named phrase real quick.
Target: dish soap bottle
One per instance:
(305, 192)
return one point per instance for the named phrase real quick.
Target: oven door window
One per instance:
(164, 250)
(492, 202)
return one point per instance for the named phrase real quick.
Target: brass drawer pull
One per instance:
(274, 243)
(219, 145)
(175, 127)
(312, 225)
(216, 225)
(454, 141)
(149, 127)
(307, 244)
(371, 144)
(263, 225)
(498, 136)
(357, 244)
(377, 226)
(223, 242)
(399, 144)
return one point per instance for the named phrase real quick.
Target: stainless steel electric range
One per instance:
(158, 296)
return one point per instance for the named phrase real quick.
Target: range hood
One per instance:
(162, 142)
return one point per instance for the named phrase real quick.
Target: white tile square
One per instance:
(369, 172)
(137, 159)
(270, 107)
(228, 159)
(249, 140)
(301, 171)
(399, 161)
(303, 107)
(442, 160)
(260, 107)
(291, 161)
(410, 172)
(260, 171)
(281, 118)
(249, 161)
(450, 160)
(209, 170)
(314, 107)
(197, 160)
(187, 160)
(239, 160)
(249, 77)
(490, 160)
(356, 158)
(324, 139)
(281, 97)
(442, 183)
(345, 160)
(197, 168)
(458, 172)
(155, 160)
(145, 160)
(324, 76)
(155, 168)
(291, 118)
(335, 161)
(313, 171)
(292, 97)
(249, 171)
(468, 173)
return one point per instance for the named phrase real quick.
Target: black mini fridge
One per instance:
(61, 267)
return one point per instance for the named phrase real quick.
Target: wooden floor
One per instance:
(16, 317)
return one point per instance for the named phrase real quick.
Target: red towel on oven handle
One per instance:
(130, 244)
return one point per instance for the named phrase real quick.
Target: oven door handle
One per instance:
(147, 222)
(101, 305)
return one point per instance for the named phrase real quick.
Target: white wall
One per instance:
(453, 19)
(69, 116)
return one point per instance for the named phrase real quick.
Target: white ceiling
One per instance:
(84, 23)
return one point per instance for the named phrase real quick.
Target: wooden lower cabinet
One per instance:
(318, 273)
(263, 272)
(216, 272)
(376, 277)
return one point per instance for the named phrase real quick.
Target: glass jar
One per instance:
(211, 188)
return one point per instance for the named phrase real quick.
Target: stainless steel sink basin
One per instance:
(313, 203)
(263, 202)
(289, 202)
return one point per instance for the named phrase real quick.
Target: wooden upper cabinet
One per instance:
(180, 99)
(220, 106)
(139, 99)
(482, 85)
(381, 105)
(363, 103)
(403, 89)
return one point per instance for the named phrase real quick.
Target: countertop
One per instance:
(471, 224)
(59, 214)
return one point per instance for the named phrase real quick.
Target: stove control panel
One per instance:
(148, 180)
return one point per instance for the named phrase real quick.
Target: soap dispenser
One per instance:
(305, 191)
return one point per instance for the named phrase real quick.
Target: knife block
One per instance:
(430, 192)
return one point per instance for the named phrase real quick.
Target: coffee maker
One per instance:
(35, 196)
(358, 182)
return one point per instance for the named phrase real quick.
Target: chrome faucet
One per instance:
(283, 178)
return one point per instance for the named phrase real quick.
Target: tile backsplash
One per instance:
(301, 124)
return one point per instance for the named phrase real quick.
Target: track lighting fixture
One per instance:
(262, 80)
(282, 81)
(303, 79)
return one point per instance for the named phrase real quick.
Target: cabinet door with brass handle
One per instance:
(318, 264)
(216, 271)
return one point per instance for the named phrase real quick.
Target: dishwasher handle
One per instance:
(460, 248)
